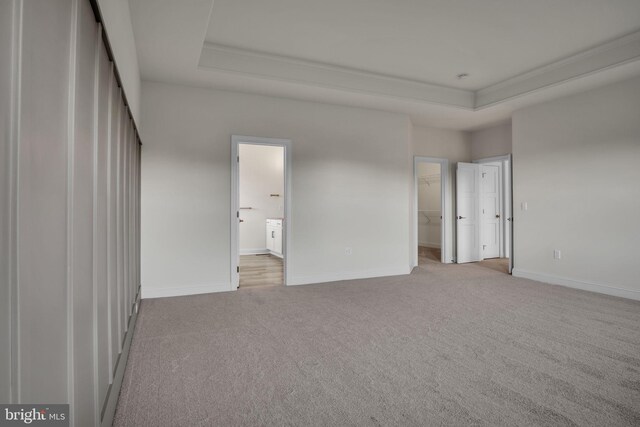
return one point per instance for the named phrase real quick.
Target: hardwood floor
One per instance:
(497, 264)
(426, 254)
(260, 270)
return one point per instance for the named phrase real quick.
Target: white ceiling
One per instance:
(431, 41)
(398, 56)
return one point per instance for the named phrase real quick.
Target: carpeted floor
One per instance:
(448, 345)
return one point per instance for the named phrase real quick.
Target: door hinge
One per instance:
(237, 214)
(238, 159)
(238, 269)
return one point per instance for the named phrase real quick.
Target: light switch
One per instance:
(524, 206)
(557, 254)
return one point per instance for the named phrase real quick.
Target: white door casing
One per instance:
(468, 212)
(286, 240)
(446, 228)
(491, 206)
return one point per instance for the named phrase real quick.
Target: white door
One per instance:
(468, 212)
(277, 240)
(491, 230)
(270, 236)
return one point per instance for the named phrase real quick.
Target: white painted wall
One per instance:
(447, 144)
(429, 205)
(491, 142)
(261, 173)
(576, 165)
(351, 184)
(117, 21)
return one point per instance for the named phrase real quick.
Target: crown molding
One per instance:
(596, 61)
(604, 57)
(276, 67)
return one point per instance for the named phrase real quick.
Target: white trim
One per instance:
(177, 291)
(444, 186)
(254, 251)
(578, 284)
(350, 275)
(493, 159)
(229, 59)
(604, 61)
(618, 52)
(276, 254)
(287, 248)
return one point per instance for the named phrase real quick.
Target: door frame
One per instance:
(444, 186)
(506, 163)
(236, 140)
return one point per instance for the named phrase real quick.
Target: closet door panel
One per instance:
(101, 206)
(42, 204)
(125, 219)
(121, 259)
(113, 224)
(7, 168)
(132, 224)
(82, 181)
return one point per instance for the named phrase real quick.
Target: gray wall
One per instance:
(575, 163)
(60, 288)
(351, 183)
(491, 142)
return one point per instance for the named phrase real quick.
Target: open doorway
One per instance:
(430, 200)
(260, 211)
(483, 218)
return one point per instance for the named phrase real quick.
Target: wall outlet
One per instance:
(348, 251)
(524, 206)
(557, 254)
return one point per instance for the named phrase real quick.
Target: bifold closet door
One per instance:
(81, 212)
(6, 191)
(105, 80)
(43, 359)
(69, 211)
(113, 263)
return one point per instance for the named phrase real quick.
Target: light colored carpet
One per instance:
(447, 345)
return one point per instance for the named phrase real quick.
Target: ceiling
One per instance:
(401, 56)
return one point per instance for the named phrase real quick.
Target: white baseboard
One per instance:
(578, 284)
(276, 254)
(335, 277)
(256, 251)
(184, 290)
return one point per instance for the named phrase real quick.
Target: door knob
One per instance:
(242, 220)
(462, 217)
(497, 215)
